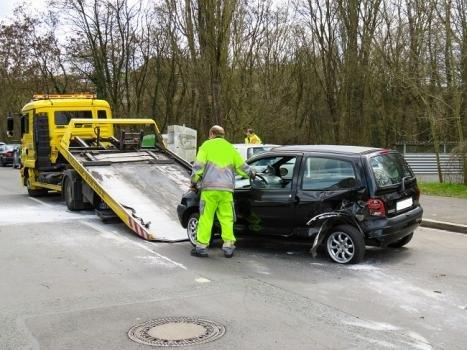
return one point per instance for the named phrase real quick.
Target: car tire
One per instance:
(345, 245)
(401, 242)
(192, 226)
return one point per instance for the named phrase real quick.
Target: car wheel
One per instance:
(401, 242)
(192, 227)
(345, 245)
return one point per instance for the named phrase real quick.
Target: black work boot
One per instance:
(228, 251)
(199, 252)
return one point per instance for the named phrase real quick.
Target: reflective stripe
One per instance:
(201, 207)
(234, 213)
(216, 177)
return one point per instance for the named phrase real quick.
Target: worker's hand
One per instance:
(193, 188)
(253, 174)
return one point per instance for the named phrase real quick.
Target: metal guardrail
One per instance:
(425, 163)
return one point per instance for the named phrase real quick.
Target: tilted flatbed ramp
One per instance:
(142, 187)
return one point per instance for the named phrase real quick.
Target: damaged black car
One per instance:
(343, 198)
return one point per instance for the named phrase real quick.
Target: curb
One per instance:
(442, 225)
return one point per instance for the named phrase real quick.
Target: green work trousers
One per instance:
(220, 203)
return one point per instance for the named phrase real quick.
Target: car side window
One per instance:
(275, 172)
(328, 174)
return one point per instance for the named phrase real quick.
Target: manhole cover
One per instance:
(176, 331)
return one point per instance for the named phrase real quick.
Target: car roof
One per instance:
(328, 149)
(253, 145)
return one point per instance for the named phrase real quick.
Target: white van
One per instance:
(249, 150)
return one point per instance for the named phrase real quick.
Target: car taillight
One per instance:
(376, 207)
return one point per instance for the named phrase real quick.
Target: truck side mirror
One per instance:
(10, 125)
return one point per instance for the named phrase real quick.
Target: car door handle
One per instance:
(297, 199)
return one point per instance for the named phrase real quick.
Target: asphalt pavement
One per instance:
(68, 281)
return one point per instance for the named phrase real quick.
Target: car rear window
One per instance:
(389, 169)
(325, 174)
(64, 117)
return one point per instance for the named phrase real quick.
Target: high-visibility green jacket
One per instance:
(253, 139)
(216, 164)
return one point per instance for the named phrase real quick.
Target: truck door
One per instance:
(268, 206)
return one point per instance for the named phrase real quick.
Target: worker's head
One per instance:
(216, 131)
(249, 132)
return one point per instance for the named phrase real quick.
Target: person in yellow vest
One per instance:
(213, 173)
(251, 137)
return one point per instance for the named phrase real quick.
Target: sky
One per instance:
(7, 6)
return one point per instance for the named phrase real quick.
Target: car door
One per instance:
(266, 205)
(324, 181)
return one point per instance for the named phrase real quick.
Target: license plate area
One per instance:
(404, 204)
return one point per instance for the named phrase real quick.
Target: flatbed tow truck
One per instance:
(70, 144)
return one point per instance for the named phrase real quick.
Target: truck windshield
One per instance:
(64, 117)
(389, 169)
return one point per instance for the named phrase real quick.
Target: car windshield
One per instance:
(256, 150)
(389, 169)
(11, 147)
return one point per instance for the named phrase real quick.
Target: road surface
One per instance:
(68, 281)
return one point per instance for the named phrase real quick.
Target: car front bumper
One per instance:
(384, 231)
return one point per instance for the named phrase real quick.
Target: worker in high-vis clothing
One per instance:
(214, 171)
(251, 137)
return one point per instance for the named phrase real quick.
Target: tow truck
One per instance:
(71, 144)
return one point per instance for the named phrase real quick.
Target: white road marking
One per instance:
(41, 202)
(202, 280)
(140, 245)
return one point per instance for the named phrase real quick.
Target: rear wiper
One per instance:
(403, 182)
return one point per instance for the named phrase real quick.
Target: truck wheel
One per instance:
(70, 201)
(38, 192)
(345, 245)
(401, 242)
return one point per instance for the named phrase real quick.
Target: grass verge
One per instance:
(444, 189)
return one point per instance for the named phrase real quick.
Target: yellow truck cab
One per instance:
(43, 123)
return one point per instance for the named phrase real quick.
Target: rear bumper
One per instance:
(384, 231)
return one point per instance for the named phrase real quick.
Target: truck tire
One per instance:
(345, 244)
(71, 189)
(401, 242)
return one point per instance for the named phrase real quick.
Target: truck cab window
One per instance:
(102, 114)
(64, 117)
